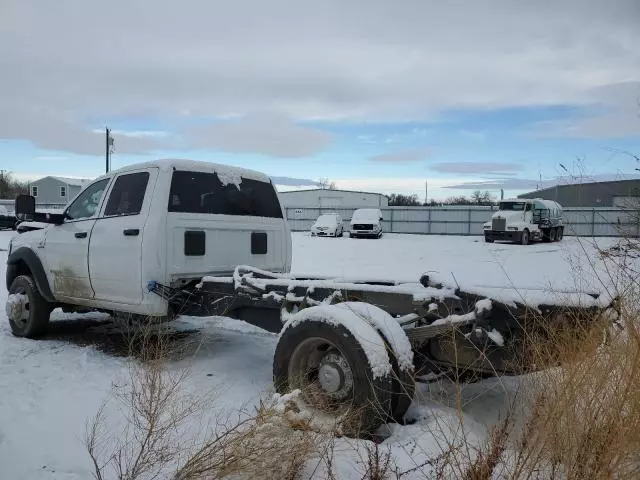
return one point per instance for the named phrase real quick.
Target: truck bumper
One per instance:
(364, 234)
(509, 235)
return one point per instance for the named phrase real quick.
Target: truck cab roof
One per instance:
(167, 164)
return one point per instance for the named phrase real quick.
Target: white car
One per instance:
(366, 222)
(328, 225)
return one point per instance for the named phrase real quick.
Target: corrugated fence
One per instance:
(464, 220)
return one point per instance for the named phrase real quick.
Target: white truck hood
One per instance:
(366, 216)
(510, 216)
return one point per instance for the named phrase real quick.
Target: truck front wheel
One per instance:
(27, 310)
(524, 239)
(332, 369)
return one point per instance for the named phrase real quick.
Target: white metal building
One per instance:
(324, 198)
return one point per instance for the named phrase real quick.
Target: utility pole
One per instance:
(426, 193)
(108, 148)
(106, 161)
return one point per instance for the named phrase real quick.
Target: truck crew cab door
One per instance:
(66, 246)
(115, 249)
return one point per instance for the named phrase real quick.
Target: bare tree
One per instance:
(481, 198)
(326, 184)
(9, 187)
(399, 200)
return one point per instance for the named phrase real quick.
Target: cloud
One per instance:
(294, 182)
(267, 134)
(532, 184)
(388, 185)
(134, 133)
(51, 158)
(402, 157)
(476, 167)
(50, 131)
(613, 111)
(476, 136)
(365, 61)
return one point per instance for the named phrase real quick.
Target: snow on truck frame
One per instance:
(156, 240)
(525, 220)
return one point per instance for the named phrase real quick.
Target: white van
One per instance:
(366, 222)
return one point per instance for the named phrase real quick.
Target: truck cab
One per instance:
(525, 220)
(167, 221)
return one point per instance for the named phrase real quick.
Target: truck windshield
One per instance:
(200, 192)
(512, 205)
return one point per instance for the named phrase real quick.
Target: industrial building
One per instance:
(326, 198)
(620, 193)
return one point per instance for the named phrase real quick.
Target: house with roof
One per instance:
(56, 191)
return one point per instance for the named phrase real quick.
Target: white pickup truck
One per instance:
(173, 237)
(172, 221)
(525, 220)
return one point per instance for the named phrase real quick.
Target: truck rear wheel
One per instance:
(400, 354)
(323, 359)
(27, 310)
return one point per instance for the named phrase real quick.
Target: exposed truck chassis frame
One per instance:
(448, 329)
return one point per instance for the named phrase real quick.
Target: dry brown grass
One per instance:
(585, 419)
(156, 414)
(578, 419)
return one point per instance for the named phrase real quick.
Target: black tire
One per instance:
(403, 388)
(524, 239)
(488, 240)
(403, 383)
(552, 235)
(37, 308)
(368, 401)
(560, 234)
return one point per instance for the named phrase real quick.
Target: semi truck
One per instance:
(524, 221)
(153, 241)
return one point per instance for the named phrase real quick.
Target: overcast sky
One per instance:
(375, 95)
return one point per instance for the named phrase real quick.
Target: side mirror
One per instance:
(25, 206)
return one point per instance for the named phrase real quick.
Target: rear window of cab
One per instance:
(203, 192)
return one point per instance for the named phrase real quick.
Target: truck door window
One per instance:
(127, 194)
(199, 192)
(88, 202)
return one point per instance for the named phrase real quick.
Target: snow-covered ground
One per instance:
(50, 388)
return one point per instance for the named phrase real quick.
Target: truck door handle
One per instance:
(81, 235)
(131, 232)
